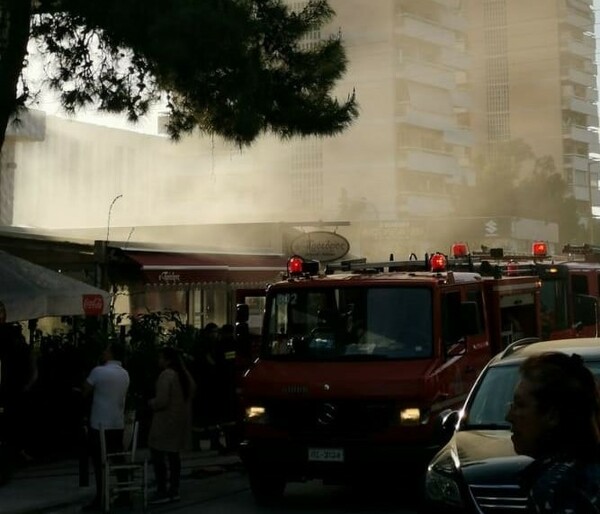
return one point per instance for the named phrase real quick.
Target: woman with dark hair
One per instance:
(171, 428)
(555, 418)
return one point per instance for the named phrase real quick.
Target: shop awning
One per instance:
(166, 268)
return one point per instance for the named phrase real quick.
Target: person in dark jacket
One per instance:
(555, 418)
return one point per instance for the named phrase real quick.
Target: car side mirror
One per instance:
(446, 423)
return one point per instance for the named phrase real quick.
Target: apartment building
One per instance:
(533, 78)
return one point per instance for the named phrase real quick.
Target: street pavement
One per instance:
(54, 487)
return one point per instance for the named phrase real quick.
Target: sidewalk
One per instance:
(52, 487)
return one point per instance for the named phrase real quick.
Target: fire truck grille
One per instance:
(346, 418)
(499, 498)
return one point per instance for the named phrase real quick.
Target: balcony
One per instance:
(452, 4)
(579, 133)
(420, 28)
(455, 59)
(419, 159)
(579, 105)
(462, 99)
(407, 113)
(459, 136)
(580, 163)
(578, 77)
(578, 19)
(581, 193)
(582, 5)
(425, 73)
(454, 20)
(581, 48)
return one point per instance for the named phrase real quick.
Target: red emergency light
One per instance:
(460, 250)
(539, 249)
(298, 266)
(295, 265)
(512, 268)
(438, 262)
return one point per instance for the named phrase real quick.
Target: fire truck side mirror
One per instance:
(469, 313)
(242, 313)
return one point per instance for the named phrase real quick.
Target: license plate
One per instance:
(326, 454)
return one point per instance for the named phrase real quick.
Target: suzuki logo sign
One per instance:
(491, 228)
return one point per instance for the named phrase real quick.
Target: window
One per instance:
(451, 318)
(350, 323)
(579, 284)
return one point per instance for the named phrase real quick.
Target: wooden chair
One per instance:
(124, 471)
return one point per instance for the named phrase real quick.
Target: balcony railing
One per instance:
(420, 28)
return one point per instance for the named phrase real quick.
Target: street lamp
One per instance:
(101, 251)
(109, 213)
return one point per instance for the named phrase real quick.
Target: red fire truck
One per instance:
(570, 285)
(360, 361)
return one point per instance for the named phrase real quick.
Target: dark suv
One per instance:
(478, 470)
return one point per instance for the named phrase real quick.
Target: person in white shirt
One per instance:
(108, 384)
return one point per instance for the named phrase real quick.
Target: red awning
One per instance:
(188, 268)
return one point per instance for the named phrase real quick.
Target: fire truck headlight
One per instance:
(256, 414)
(410, 416)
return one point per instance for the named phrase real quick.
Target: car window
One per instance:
(488, 405)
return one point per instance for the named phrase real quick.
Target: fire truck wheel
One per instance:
(266, 487)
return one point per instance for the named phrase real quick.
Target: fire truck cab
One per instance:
(359, 363)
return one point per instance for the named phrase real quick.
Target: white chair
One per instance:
(126, 465)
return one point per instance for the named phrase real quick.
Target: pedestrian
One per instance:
(171, 427)
(206, 373)
(226, 388)
(18, 374)
(555, 420)
(108, 384)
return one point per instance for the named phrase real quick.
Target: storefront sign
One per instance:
(320, 246)
(168, 277)
(93, 304)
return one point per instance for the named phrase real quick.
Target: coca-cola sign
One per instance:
(93, 304)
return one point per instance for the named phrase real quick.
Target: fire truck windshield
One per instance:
(349, 323)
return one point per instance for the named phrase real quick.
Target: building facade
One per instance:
(438, 82)
(533, 78)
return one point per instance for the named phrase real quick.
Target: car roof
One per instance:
(587, 347)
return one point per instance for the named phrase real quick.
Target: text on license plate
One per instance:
(326, 454)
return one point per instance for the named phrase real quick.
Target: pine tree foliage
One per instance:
(234, 68)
